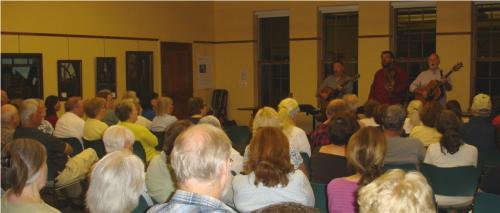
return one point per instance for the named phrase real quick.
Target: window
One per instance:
(415, 38)
(274, 60)
(22, 75)
(139, 71)
(487, 49)
(340, 42)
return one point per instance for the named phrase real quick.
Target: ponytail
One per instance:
(451, 142)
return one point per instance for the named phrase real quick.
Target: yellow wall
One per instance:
(219, 22)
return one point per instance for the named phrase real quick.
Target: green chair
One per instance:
(488, 159)
(145, 202)
(240, 136)
(307, 161)
(160, 136)
(97, 145)
(486, 203)
(321, 199)
(139, 151)
(453, 181)
(405, 167)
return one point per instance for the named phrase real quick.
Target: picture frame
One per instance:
(139, 72)
(106, 74)
(69, 78)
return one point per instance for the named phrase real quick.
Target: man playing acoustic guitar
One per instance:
(422, 81)
(336, 80)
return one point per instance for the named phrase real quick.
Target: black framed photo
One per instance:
(106, 74)
(69, 78)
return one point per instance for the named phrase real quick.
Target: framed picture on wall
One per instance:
(106, 74)
(69, 78)
(139, 72)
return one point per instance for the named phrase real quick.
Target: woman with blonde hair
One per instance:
(365, 153)
(268, 117)
(287, 111)
(164, 117)
(397, 191)
(413, 118)
(24, 172)
(269, 176)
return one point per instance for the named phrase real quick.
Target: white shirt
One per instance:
(141, 120)
(69, 125)
(249, 197)
(298, 140)
(368, 122)
(161, 122)
(237, 164)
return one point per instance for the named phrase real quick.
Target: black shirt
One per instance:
(56, 159)
(490, 182)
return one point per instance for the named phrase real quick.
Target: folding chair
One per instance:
(321, 199)
(97, 145)
(486, 203)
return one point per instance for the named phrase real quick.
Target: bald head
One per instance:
(10, 116)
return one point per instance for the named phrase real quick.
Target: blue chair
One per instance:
(75, 144)
(97, 145)
(486, 203)
(321, 199)
(405, 167)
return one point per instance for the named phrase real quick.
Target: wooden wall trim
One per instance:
(375, 36)
(78, 36)
(225, 42)
(305, 39)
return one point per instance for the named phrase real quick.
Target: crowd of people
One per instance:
(193, 167)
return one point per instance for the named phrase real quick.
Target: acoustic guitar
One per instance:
(327, 94)
(433, 90)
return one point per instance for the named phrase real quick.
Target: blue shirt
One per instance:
(183, 201)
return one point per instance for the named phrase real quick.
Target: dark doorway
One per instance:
(140, 72)
(177, 75)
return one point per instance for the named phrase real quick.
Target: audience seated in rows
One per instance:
(164, 117)
(70, 124)
(369, 112)
(116, 182)
(159, 175)
(126, 111)
(397, 191)
(268, 117)
(149, 105)
(95, 110)
(117, 138)
(269, 177)
(197, 108)
(479, 131)
(10, 121)
(427, 132)
(329, 161)
(454, 106)
(45, 125)
(53, 106)
(110, 118)
(451, 151)
(379, 114)
(400, 150)
(319, 136)
(201, 162)
(237, 159)
(287, 111)
(365, 153)
(24, 170)
(412, 116)
(351, 101)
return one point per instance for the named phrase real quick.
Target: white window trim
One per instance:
(272, 13)
(339, 9)
(413, 4)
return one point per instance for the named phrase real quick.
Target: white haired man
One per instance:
(117, 138)
(61, 168)
(200, 184)
(71, 124)
(10, 121)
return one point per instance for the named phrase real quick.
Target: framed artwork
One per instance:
(22, 75)
(69, 78)
(139, 66)
(106, 74)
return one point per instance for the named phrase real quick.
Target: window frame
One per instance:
(39, 56)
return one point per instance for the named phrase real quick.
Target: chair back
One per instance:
(139, 151)
(307, 161)
(145, 202)
(239, 136)
(75, 144)
(321, 200)
(219, 103)
(486, 203)
(488, 159)
(160, 136)
(453, 181)
(97, 145)
(405, 167)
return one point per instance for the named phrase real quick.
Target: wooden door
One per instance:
(177, 75)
